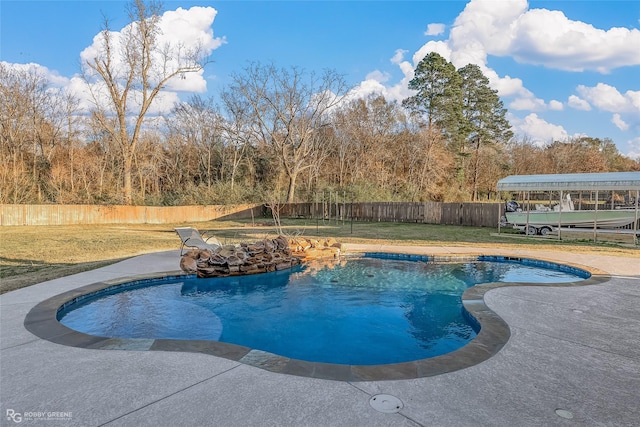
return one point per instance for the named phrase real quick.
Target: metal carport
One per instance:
(605, 181)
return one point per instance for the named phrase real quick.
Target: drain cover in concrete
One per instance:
(564, 413)
(386, 403)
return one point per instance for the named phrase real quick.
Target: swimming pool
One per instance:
(374, 309)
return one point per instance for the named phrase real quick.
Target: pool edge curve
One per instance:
(493, 335)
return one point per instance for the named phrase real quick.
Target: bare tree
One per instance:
(369, 131)
(430, 164)
(290, 107)
(129, 71)
(240, 129)
(199, 125)
(15, 132)
(32, 119)
(71, 108)
(99, 163)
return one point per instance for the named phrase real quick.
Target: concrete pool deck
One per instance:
(573, 349)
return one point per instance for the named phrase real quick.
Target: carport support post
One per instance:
(595, 220)
(316, 213)
(613, 197)
(580, 201)
(526, 230)
(635, 223)
(560, 217)
(351, 213)
(344, 207)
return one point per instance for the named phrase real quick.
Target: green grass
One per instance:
(30, 255)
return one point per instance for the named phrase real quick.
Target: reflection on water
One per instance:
(358, 311)
(238, 285)
(147, 312)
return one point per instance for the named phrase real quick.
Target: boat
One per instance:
(543, 220)
(587, 209)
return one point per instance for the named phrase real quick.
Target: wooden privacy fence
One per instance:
(470, 214)
(99, 214)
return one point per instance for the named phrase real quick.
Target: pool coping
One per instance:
(494, 333)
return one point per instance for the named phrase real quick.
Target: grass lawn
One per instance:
(30, 255)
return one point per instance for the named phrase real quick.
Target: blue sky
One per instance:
(562, 68)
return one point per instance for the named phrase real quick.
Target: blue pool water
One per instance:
(363, 311)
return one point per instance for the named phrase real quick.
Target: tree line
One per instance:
(273, 134)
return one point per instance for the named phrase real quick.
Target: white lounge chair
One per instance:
(192, 238)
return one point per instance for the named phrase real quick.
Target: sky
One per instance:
(563, 69)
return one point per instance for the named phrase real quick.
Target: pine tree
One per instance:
(484, 120)
(438, 96)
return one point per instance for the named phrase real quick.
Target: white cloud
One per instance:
(620, 124)
(398, 92)
(440, 47)
(398, 57)
(578, 103)
(634, 98)
(506, 86)
(78, 87)
(538, 130)
(556, 105)
(482, 23)
(434, 29)
(378, 76)
(525, 100)
(51, 76)
(482, 29)
(191, 26)
(373, 86)
(634, 148)
(188, 82)
(366, 88)
(182, 30)
(57, 85)
(529, 104)
(536, 36)
(164, 102)
(374, 82)
(542, 37)
(608, 98)
(549, 38)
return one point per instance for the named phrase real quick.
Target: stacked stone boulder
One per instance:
(310, 249)
(259, 257)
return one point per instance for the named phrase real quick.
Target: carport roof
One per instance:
(571, 181)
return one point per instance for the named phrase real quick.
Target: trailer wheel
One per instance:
(531, 231)
(545, 230)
